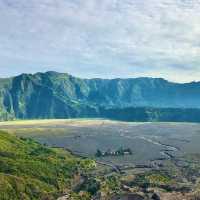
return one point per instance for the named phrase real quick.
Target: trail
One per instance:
(166, 147)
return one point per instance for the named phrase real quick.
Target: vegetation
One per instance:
(148, 114)
(120, 152)
(157, 179)
(29, 170)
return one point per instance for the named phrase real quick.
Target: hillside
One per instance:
(57, 95)
(29, 170)
(164, 163)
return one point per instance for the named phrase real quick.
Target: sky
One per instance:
(101, 38)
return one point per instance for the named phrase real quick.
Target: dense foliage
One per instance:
(29, 170)
(144, 114)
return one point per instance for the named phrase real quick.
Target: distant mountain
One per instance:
(59, 95)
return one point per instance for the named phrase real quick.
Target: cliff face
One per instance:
(56, 95)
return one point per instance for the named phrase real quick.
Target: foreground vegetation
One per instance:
(29, 170)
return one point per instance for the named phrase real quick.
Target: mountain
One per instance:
(59, 95)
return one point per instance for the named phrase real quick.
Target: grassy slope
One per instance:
(29, 170)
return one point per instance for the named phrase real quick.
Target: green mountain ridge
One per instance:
(59, 95)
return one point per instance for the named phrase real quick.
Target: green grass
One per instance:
(158, 179)
(29, 170)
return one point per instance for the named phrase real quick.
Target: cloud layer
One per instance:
(107, 38)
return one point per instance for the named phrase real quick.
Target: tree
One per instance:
(98, 153)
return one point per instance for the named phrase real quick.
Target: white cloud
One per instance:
(122, 38)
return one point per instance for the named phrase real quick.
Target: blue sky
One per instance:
(101, 38)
